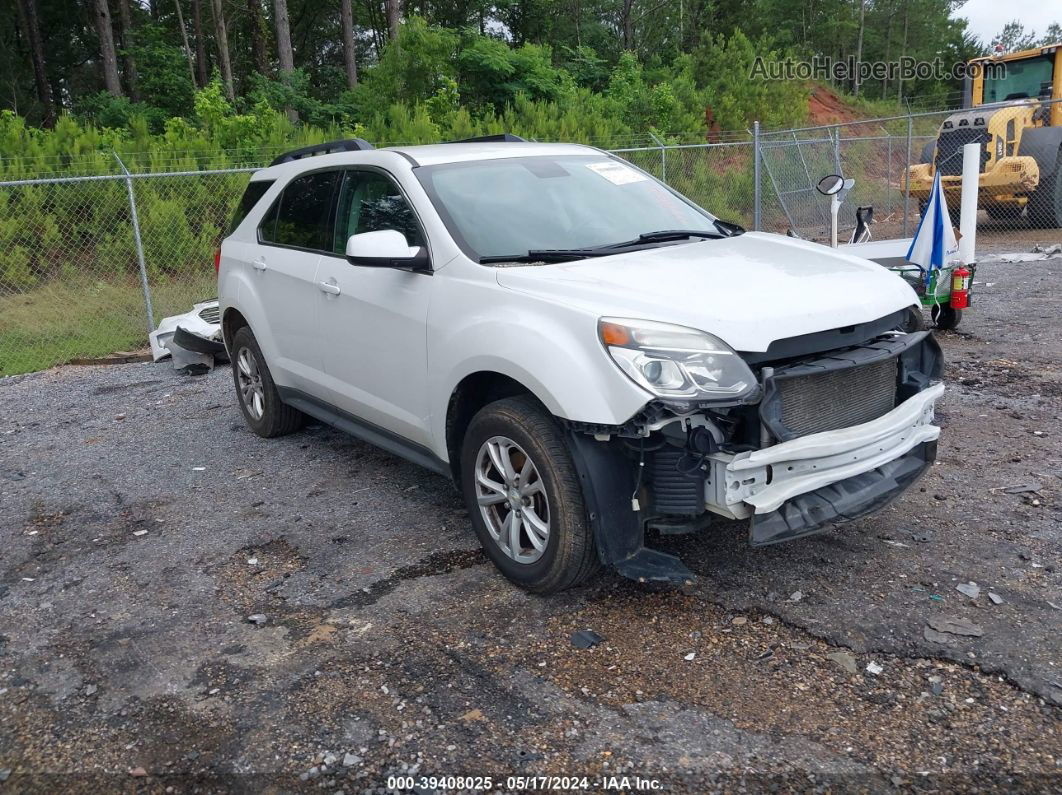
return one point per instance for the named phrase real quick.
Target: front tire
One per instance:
(1045, 205)
(524, 497)
(263, 410)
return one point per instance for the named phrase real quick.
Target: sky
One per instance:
(987, 17)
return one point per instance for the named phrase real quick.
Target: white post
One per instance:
(971, 169)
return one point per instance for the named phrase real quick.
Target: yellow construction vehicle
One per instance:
(1012, 105)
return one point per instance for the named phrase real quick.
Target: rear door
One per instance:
(373, 320)
(292, 236)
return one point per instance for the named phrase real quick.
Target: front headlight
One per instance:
(676, 362)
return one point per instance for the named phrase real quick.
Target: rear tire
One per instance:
(1045, 206)
(516, 469)
(944, 317)
(1003, 212)
(263, 410)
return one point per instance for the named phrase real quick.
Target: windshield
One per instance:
(498, 208)
(1026, 79)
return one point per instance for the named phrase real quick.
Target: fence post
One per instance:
(756, 214)
(663, 157)
(139, 244)
(907, 176)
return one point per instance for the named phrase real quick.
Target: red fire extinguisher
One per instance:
(960, 288)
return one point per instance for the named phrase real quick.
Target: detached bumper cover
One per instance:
(768, 479)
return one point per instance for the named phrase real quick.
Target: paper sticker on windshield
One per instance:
(616, 173)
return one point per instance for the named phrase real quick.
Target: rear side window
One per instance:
(254, 192)
(303, 213)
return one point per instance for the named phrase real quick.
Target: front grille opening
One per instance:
(838, 398)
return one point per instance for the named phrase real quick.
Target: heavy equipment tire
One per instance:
(263, 410)
(516, 468)
(1045, 206)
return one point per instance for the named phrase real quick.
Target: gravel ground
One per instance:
(142, 524)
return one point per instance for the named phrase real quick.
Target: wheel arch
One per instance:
(231, 322)
(471, 394)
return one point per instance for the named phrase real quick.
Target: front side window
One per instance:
(301, 217)
(1028, 79)
(498, 208)
(370, 202)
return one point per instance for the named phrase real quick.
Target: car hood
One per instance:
(748, 290)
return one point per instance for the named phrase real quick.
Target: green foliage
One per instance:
(721, 66)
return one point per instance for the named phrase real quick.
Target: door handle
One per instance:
(329, 287)
(259, 264)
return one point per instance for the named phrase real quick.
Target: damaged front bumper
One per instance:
(838, 433)
(796, 487)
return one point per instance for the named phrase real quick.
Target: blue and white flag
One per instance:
(934, 242)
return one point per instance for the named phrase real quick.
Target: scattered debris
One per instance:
(892, 543)
(936, 688)
(767, 620)
(258, 619)
(5, 773)
(119, 417)
(1021, 489)
(955, 626)
(349, 759)
(996, 598)
(738, 621)
(140, 532)
(796, 596)
(90, 690)
(473, 714)
(690, 656)
(874, 668)
(138, 772)
(971, 589)
(922, 536)
(844, 659)
(585, 639)
(1038, 254)
(252, 561)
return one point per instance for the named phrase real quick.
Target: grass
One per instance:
(66, 319)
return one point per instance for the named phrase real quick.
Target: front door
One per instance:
(373, 320)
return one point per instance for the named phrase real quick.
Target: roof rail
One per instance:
(346, 145)
(507, 138)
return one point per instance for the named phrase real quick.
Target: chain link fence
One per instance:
(89, 263)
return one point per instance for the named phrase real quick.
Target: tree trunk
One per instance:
(125, 18)
(201, 69)
(349, 61)
(888, 53)
(27, 10)
(222, 37)
(393, 17)
(627, 24)
(284, 52)
(859, 45)
(903, 52)
(108, 54)
(184, 38)
(258, 39)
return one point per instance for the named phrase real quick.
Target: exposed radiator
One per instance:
(838, 398)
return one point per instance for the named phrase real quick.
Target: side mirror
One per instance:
(830, 185)
(386, 248)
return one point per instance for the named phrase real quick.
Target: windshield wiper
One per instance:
(722, 229)
(546, 255)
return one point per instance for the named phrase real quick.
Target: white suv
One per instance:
(591, 357)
